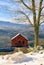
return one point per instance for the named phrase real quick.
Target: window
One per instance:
(23, 42)
(20, 41)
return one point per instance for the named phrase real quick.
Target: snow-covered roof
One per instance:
(19, 34)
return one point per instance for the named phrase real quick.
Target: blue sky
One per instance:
(6, 6)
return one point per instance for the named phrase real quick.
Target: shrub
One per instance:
(39, 47)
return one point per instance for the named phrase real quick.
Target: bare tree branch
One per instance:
(42, 8)
(26, 17)
(26, 5)
(42, 15)
(39, 14)
(41, 23)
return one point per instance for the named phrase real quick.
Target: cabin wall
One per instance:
(19, 41)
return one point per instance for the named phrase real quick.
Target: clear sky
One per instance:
(6, 6)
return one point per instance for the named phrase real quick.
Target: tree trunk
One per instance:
(36, 34)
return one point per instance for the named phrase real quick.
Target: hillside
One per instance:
(8, 30)
(19, 58)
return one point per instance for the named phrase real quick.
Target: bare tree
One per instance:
(36, 18)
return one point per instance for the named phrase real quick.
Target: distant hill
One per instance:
(42, 27)
(8, 30)
(9, 24)
(5, 23)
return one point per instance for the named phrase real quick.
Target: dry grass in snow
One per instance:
(20, 58)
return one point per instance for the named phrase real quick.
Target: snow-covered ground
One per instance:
(20, 58)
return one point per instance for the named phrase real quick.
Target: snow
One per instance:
(19, 58)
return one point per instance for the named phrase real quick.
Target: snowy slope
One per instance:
(20, 58)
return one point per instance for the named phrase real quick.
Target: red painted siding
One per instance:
(19, 41)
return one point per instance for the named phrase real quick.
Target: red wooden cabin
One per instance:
(19, 41)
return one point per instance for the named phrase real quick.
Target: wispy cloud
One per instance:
(8, 8)
(3, 3)
(5, 19)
